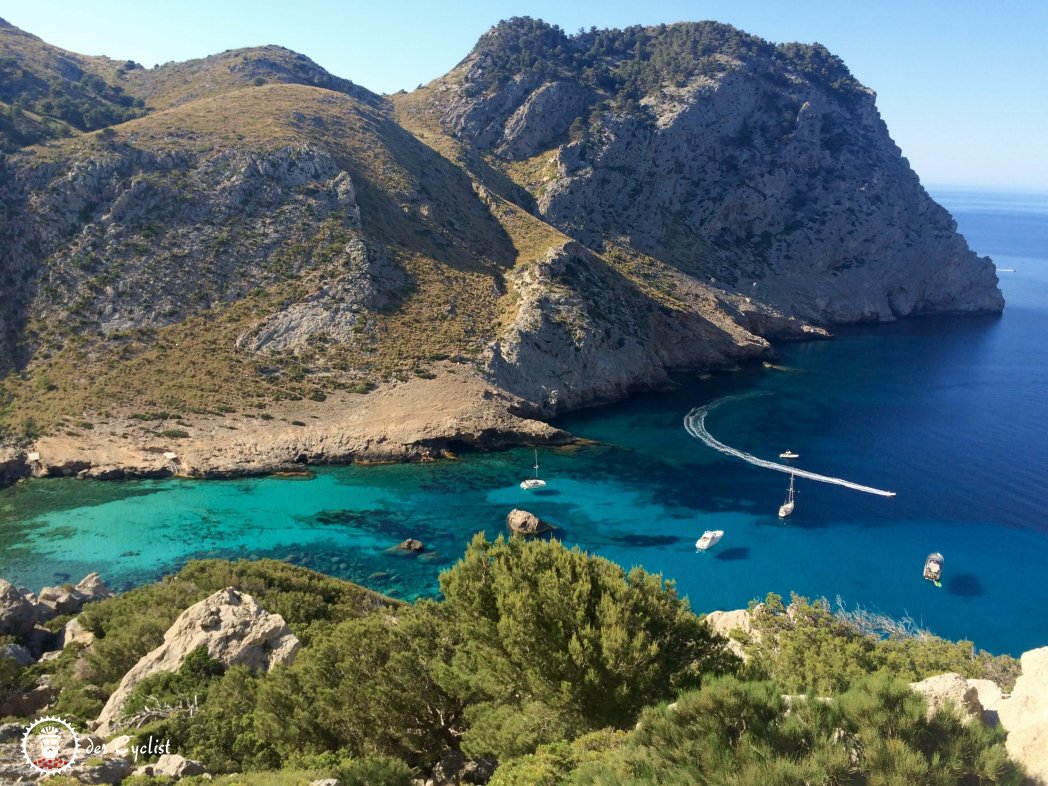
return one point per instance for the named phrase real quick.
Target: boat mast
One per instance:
(536, 463)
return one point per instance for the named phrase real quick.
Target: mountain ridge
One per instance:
(559, 221)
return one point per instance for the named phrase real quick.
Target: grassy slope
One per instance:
(454, 238)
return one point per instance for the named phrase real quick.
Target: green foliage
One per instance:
(563, 634)
(624, 65)
(374, 771)
(811, 649)
(130, 625)
(745, 732)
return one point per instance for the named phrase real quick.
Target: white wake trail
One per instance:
(695, 424)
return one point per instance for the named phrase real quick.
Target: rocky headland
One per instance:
(249, 263)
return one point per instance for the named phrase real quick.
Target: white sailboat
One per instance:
(786, 508)
(535, 482)
(709, 538)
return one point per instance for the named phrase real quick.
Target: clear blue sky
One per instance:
(962, 85)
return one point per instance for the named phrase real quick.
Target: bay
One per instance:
(949, 413)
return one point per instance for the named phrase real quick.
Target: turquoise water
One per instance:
(949, 413)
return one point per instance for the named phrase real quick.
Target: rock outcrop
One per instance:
(950, 690)
(234, 629)
(521, 522)
(18, 614)
(724, 622)
(1024, 715)
(53, 601)
(171, 765)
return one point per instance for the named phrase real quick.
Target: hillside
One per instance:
(274, 264)
(537, 665)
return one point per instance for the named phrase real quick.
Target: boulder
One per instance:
(233, 627)
(1024, 715)
(111, 771)
(724, 622)
(456, 768)
(411, 545)
(326, 782)
(990, 696)
(60, 600)
(17, 653)
(171, 765)
(17, 612)
(74, 633)
(950, 688)
(521, 522)
(26, 705)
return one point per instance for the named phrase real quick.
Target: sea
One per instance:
(949, 413)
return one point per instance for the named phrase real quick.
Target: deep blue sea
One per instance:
(949, 413)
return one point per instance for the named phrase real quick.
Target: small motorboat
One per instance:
(789, 454)
(933, 568)
(709, 538)
(535, 482)
(786, 508)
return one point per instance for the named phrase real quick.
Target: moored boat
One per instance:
(789, 454)
(786, 508)
(535, 482)
(933, 568)
(709, 538)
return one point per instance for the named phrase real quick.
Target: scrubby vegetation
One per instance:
(557, 666)
(624, 65)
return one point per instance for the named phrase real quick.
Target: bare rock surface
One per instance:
(62, 600)
(521, 522)
(17, 612)
(1024, 715)
(950, 689)
(171, 765)
(724, 622)
(233, 627)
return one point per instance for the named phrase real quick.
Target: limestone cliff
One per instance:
(765, 168)
(559, 221)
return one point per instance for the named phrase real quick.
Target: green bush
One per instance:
(812, 649)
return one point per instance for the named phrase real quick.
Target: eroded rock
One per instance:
(950, 689)
(1024, 715)
(521, 522)
(234, 629)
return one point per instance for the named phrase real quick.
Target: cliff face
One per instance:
(766, 168)
(557, 222)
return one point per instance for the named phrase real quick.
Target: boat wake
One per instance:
(695, 424)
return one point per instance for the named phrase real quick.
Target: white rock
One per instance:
(233, 627)
(1024, 715)
(950, 688)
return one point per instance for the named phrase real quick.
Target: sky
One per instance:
(962, 85)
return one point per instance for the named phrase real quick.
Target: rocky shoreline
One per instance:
(418, 420)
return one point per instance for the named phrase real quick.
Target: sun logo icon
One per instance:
(50, 745)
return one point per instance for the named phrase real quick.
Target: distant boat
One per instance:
(933, 568)
(786, 508)
(789, 454)
(535, 482)
(709, 538)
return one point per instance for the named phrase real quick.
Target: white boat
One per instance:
(786, 508)
(535, 482)
(709, 538)
(789, 454)
(933, 568)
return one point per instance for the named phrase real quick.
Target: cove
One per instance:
(946, 412)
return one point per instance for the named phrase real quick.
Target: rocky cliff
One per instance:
(766, 168)
(559, 221)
